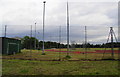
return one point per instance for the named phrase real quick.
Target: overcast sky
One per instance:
(97, 16)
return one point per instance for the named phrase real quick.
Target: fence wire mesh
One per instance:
(92, 49)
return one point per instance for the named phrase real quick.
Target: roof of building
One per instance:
(11, 38)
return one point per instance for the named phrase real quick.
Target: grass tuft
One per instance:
(68, 57)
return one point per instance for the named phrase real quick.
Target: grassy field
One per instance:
(27, 67)
(50, 55)
(88, 49)
(30, 63)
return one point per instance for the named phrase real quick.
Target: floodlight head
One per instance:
(44, 1)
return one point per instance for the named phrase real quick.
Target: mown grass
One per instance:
(50, 55)
(27, 67)
(12, 65)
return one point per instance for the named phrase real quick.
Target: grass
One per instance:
(88, 49)
(49, 55)
(12, 65)
(26, 67)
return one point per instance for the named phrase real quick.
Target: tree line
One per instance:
(29, 43)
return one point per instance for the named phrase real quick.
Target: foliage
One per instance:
(28, 43)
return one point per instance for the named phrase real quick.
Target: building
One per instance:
(9, 45)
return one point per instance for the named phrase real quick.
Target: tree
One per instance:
(29, 42)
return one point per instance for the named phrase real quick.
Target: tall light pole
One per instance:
(35, 35)
(67, 30)
(5, 30)
(43, 24)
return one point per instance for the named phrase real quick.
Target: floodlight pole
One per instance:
(35, 35)
(67, 30)
(43, 24)
(5, 30)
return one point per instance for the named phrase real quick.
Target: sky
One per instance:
(98, 16)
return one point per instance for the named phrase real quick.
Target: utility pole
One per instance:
(67, 30)
(5, 30)
(35, 36)
(43, 24)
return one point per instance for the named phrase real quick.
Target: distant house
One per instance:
(9, 45)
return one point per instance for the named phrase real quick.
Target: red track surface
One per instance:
(78, 52)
